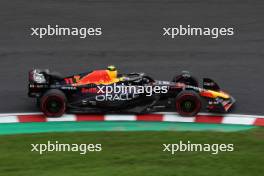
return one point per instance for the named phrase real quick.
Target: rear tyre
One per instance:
(188, 103)
(38, 102)
(53, 103)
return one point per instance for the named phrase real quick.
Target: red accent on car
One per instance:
(227, 106)
(68, 80)
(89, 90)
(96, 77)
(206, 94)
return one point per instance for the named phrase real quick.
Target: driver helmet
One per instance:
(112, 71)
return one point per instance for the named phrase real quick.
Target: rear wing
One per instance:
(210, 84)
(37, 76)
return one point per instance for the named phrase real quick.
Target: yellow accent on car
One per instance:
(219, 94)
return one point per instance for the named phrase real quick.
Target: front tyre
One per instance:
(53, 103)
(188, 103)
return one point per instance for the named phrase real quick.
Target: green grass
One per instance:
(133, 153)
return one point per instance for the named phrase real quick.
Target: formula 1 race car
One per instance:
(105, 91)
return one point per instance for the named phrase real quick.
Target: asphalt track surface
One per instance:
(132, 40)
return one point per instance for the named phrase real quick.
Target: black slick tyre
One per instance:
(53, 103)
(188, 103)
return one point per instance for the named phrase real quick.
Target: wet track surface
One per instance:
(132, 40)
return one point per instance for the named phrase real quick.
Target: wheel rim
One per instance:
(188, 106)
(54, 105)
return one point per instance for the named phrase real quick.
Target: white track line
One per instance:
(237, 120)
(177, 118)
(216, 114)
(22, 113)
(120, 117)
(64, 118)
(9, 119)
